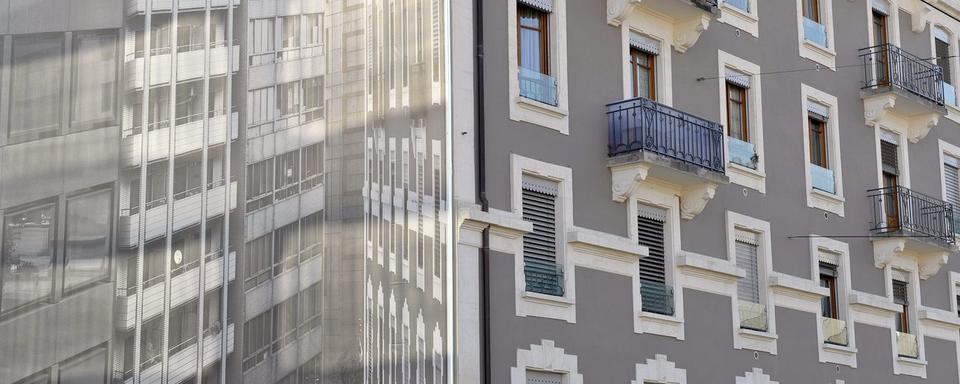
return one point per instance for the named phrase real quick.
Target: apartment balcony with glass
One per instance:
(907, 345)
(185, 213)
(753, 316)
(834, 331)
(181, 365)
(913, 224)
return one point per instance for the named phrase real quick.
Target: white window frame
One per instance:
(545, 357)
(946, 149)
(748, 338)
(747, 21)
(893, 22)
(954, 278)
(905, 365)
(526, 110)
(826, 56)
(664, 197)
(833, 203)
(837, 253)
(903, 158)
(953, 51)
(659, 370)
(750, 178)
(532, 303)
(755, 376)
(663, 66)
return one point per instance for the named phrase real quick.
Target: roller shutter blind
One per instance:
(888, 157)
(951, 182)
(650, 235)
(748, 287)
(900, 295)
(540, 208)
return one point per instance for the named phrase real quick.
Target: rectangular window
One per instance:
(312, 166)
(87, 246)
(258, 260)
(811, 9)
(261, 41)
(288, 101)
(880, 37)
(818, 143)
(314, 28)
(287, 174)
(218, 28)
(539, 206)
(286, 246)
(942, 50)
(259, 184)
(256, 339)
(738, 126)
(951, 187)
(644, 73)
(151, 344)
(35, 90)
(189, 102)
(183, 327)
(88, 367)
(290, 26)
(29, 249)
(211, 312)
(94, 82)
(284, 323)
(310, 307)
(261, 105)
(889, 166)
(190, 30)
(656, 295)
(313, 98)
(533, 33)
(311, 235)
(828, 279)
(901, 298)
(753, 313)
(187, 177)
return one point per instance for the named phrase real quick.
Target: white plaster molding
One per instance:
(921, 125)
(756, 376)
(548, 358)
(747, 21)
(627, 180)
(606, 245)
(659, 370)
(797, 293)
(887, 250)
(618, 10)
(694, 199)
(878, 311)
(940, 324)
(931, 262)
(878, 110)
(686, 33)
(919, 14)
(875, 108)
(709, 274)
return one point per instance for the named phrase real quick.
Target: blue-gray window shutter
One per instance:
(748, 287)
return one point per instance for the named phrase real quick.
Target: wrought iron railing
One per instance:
(706, 5)
(644, 125)
(907, 345)
(889, 66)
(656, 297)
(543, 277)
(901, 209)
(834, 331)
(753, 316)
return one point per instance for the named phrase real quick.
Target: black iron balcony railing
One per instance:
(901, 209)
(887, 65)
(644, 125)
(706, 5)
(543, 277)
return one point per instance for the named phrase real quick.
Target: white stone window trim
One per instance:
(826, 56)
(954, 291)
(833, 203)
(946, 149)
(750, 178)
(953, 47)
(903, 158)
(531, 303)
(523, 109)
(545, 357)
(906, 365)
(659, 370)
(654, 194)
(661, 32)
(839, 254)
(893, 22)
(763, 341)
(747, 21)
(755, 376)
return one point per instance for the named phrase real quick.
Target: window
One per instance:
(901, 298)
(818, 142)
(815, 31)
(29, 241)
(256, 340)
(310, 307)
(94, 82)
(880, 37)
(259, 184)
(821, 171)
(36, 77)
(944, 58)
(154, 254)
(312, 166)
(313, 98)
(811, 10)
(190, 30)
(311, 236)
(533, 55)
(211, 312)
(87, 246)
(216, 98)
(189, 102)
(539, 206)
(287, 174)
(290, 26)
(656, 295)
(151, 344)
(314, 27)
(284, 323)
(286, 245)
(218, 28)
(753, 313)
(890, 177)
(828, 279)
(261, 41)
(185, 252)
(289, 99)
(261, 105)
(737, 120)
(643, 66)
(88, 367)
(187, 177)
(258, 260)
(183, 326)
(951, 187)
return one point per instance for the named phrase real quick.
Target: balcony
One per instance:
(190, 63)
(907, 345)
(753, 316)
(182, 364)
(188, 137)
(185, 212)
(649, 139)
(901, 91)
(687, 18)
(543, 277)
(656, 297)
(184, 287)
(138, 7)
(834, 331)
(907, 222)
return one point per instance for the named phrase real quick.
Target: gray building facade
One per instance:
(709, 192)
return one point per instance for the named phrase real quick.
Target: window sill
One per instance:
(761, 341)
(540, 298)
(838, 354)
(825, 201)
(544, 108)
(836, 348)
(738, 18)
(542, 114)
(747, 177)
(663, 325)
(823, 55)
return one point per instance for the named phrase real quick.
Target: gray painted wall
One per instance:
(603, 336)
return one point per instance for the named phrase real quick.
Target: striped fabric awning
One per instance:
(543, 5)
(737, 78)
(819, 111)
(644, 43)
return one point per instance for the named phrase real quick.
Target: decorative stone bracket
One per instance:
(928, 262)
(919, 13)
(629, 179)
(876, 109)
(685, 34)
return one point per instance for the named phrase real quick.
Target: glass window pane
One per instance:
(35, 86)
(29, 241)
(89, 368)
(87, 247)
(94, 80)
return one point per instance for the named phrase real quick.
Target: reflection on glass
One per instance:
(87, 254)
(29, 238)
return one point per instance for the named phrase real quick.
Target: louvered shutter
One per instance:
(888, 157)
(540, 208)
(958, 305)
(900, 292)
(537, 377)
(650, 235)
(951, 181)
(748, 287)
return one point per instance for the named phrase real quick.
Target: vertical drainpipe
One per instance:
(481, 184)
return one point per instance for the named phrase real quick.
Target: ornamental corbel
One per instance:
(875, 108)
(687, 33)
(627, 180)
(694, 199)
(618, 10)
(920, 126)
(930, 264)
(885, 250)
